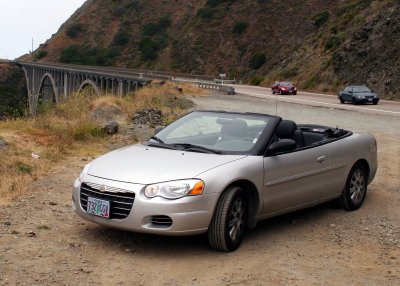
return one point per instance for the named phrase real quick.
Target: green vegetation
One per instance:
(85, 55)
(257, 61)
(40, 55)
(289, 72)
(74, 30)
(310, 83)
(154, 38)
(333, 43)
(257, 80)
(240, 28)
(121, 38)
(23, 168)
(320, 19)
(205, 13)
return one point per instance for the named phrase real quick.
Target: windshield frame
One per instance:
(257, 149)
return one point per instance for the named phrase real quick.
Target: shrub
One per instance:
(257, 80)
(119, 11)
(121, 38)
(85, 55)
(240, 28)
(320, 19)
(310, 83)
(40, 55)
(205, 13)
(257, 61)
(289, 72)
(74, 30)
(333, 43)
(149, 48)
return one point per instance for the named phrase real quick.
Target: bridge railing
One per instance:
(202, 81)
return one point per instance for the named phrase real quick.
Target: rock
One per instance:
(111, 127)
(52, 203)
(3, 144)
(106, 113)
(149, 116)
(31, 234)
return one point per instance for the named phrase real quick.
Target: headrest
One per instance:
(286, 129)
(236, 127)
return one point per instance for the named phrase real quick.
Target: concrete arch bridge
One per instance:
(53, 82)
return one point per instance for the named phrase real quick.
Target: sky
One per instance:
(24, 20)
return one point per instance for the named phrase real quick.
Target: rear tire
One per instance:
(355, 190)
(229, 221)
(341, 100)
(273, 92)
(295, 93)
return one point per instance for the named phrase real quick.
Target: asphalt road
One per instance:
(384, 107)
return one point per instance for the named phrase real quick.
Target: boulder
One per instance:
(111, 127)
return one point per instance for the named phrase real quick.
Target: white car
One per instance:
(221, 172)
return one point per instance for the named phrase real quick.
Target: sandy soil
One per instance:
(42, 242)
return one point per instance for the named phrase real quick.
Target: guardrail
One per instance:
(220, 87)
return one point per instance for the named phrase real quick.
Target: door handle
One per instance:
(321, 159)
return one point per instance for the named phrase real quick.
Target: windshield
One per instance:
(286, 83)
(360, 89)
(217, 132)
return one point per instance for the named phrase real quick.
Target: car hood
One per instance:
(140, 164)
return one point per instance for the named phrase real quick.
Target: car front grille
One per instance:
(120, 202)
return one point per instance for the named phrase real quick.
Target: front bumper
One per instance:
(366, 100)
(188, 215)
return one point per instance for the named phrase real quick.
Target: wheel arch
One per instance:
(365, 164)
(253, 199)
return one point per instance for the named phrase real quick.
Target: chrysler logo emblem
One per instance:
(103, 189)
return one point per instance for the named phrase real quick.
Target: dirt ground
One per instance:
(42, 241)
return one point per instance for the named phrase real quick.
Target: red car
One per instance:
(284, 87)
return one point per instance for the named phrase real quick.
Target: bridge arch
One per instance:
(91, 83)
(48, 88)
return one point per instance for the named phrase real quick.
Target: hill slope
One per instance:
(319, 44)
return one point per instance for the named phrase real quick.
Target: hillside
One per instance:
(319, 44)
(13, 94)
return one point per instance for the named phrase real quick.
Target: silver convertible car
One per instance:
(220, 172)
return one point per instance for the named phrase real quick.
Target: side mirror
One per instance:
(283, 145)
(351, 92)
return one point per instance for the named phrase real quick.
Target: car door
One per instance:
(294, 179)
(348, 95)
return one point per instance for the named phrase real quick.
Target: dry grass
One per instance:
(64, 130)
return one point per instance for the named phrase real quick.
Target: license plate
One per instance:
(98, 207)
(369, 99)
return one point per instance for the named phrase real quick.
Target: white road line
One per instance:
(315, 102)
(306, 93)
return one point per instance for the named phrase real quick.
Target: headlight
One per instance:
(175, 189)
(84, 172)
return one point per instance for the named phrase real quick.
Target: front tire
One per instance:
(355, 190)
(229, 222)
(341, 100)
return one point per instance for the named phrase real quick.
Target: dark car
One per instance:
(357, 95)
(284, 87)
